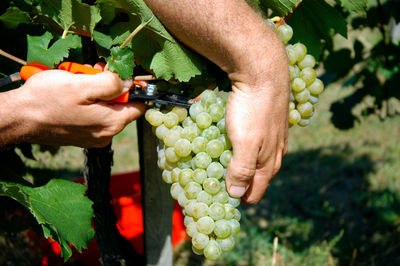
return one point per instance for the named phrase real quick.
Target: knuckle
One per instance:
(242, 174)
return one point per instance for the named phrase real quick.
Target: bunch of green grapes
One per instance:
(305, 86)
(194, 152)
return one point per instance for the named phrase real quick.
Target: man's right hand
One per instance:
(56, 107)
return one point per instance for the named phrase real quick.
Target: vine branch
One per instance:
(12, 57)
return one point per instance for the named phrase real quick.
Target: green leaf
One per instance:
(13, 17)
(60, 207)
(281, 7)
(122, 61)
(40, 52)
(357, 6)
(102, 39)
(315, 20)
(153, 46)
(72, 14)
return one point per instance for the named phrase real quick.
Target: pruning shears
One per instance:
(140, 91)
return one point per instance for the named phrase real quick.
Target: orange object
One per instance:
(78, 68)
(29, 70)
(124, 98)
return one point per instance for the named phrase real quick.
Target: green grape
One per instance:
(175, 174)
(191, 229)
(203, 120)
(177, 128)
(226, 244)
(304, 122)
(190, 132)
(301, 51)
(200, 241)
(221, 125)
(171, 119)
(205, 225)
(238, 215)
(313, 99)
(225, 158)
(292, 56)
(205, 198)
(211, 133)
(155, 118)
(298, 85)
(294, 72)
(182, 199)
(166, 176)
(285, 32)
(199, 144)
(161, 130)
(294, 117)
(197, 251)
(181, 112)
(292, 106)
(187, 220)
(303, 96)
(222, 229)
(215, 148)
(175, 190)
(216, 211)
(187, 122)
(208, 97)
(221, 197)
(200, 210)
(216, 112)
(192, 189)
(211, 185)
(185, 162)
(199, 175)
(234, 201)
(183, 147)
(171, 155)
(185, 176)
(171, 137)
(148, 112)
(316, 87)
(195, 109)
(235, 226)
(215, 170)
(305, 109)
(308, 75)
(202, 160)
(225, 140)
(212, 251)
(229, 211)
(189, 207)
(308, 61)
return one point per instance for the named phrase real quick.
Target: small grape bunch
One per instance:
(305, 86)
(194, 152)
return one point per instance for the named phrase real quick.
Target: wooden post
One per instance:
(156, 201)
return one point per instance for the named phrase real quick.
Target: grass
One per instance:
(335, 200)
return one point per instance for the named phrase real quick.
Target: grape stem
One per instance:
(14, 58)
(66, 31)
(130, 37)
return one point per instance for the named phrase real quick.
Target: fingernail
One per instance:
(125, 89)
(128, 83)
(236, 191)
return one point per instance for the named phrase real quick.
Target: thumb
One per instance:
(105, 86)
(242, 168)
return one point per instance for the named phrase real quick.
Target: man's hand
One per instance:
(233, 36)
(56, 107)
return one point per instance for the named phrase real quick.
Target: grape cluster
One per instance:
(305, 86)
(194, 152)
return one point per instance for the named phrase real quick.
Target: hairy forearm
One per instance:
(229, 33)
(13, 126)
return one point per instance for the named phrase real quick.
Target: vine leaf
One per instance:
(40, 52)
(60, 207)
(280, 7)
(358, 6)
(154, 47)
(122, 62)
(13, 17)
(71, 13)
(315, 20)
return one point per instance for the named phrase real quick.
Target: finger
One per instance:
(104, 86)
(242, 167)
(100, 65)
(128, 112)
